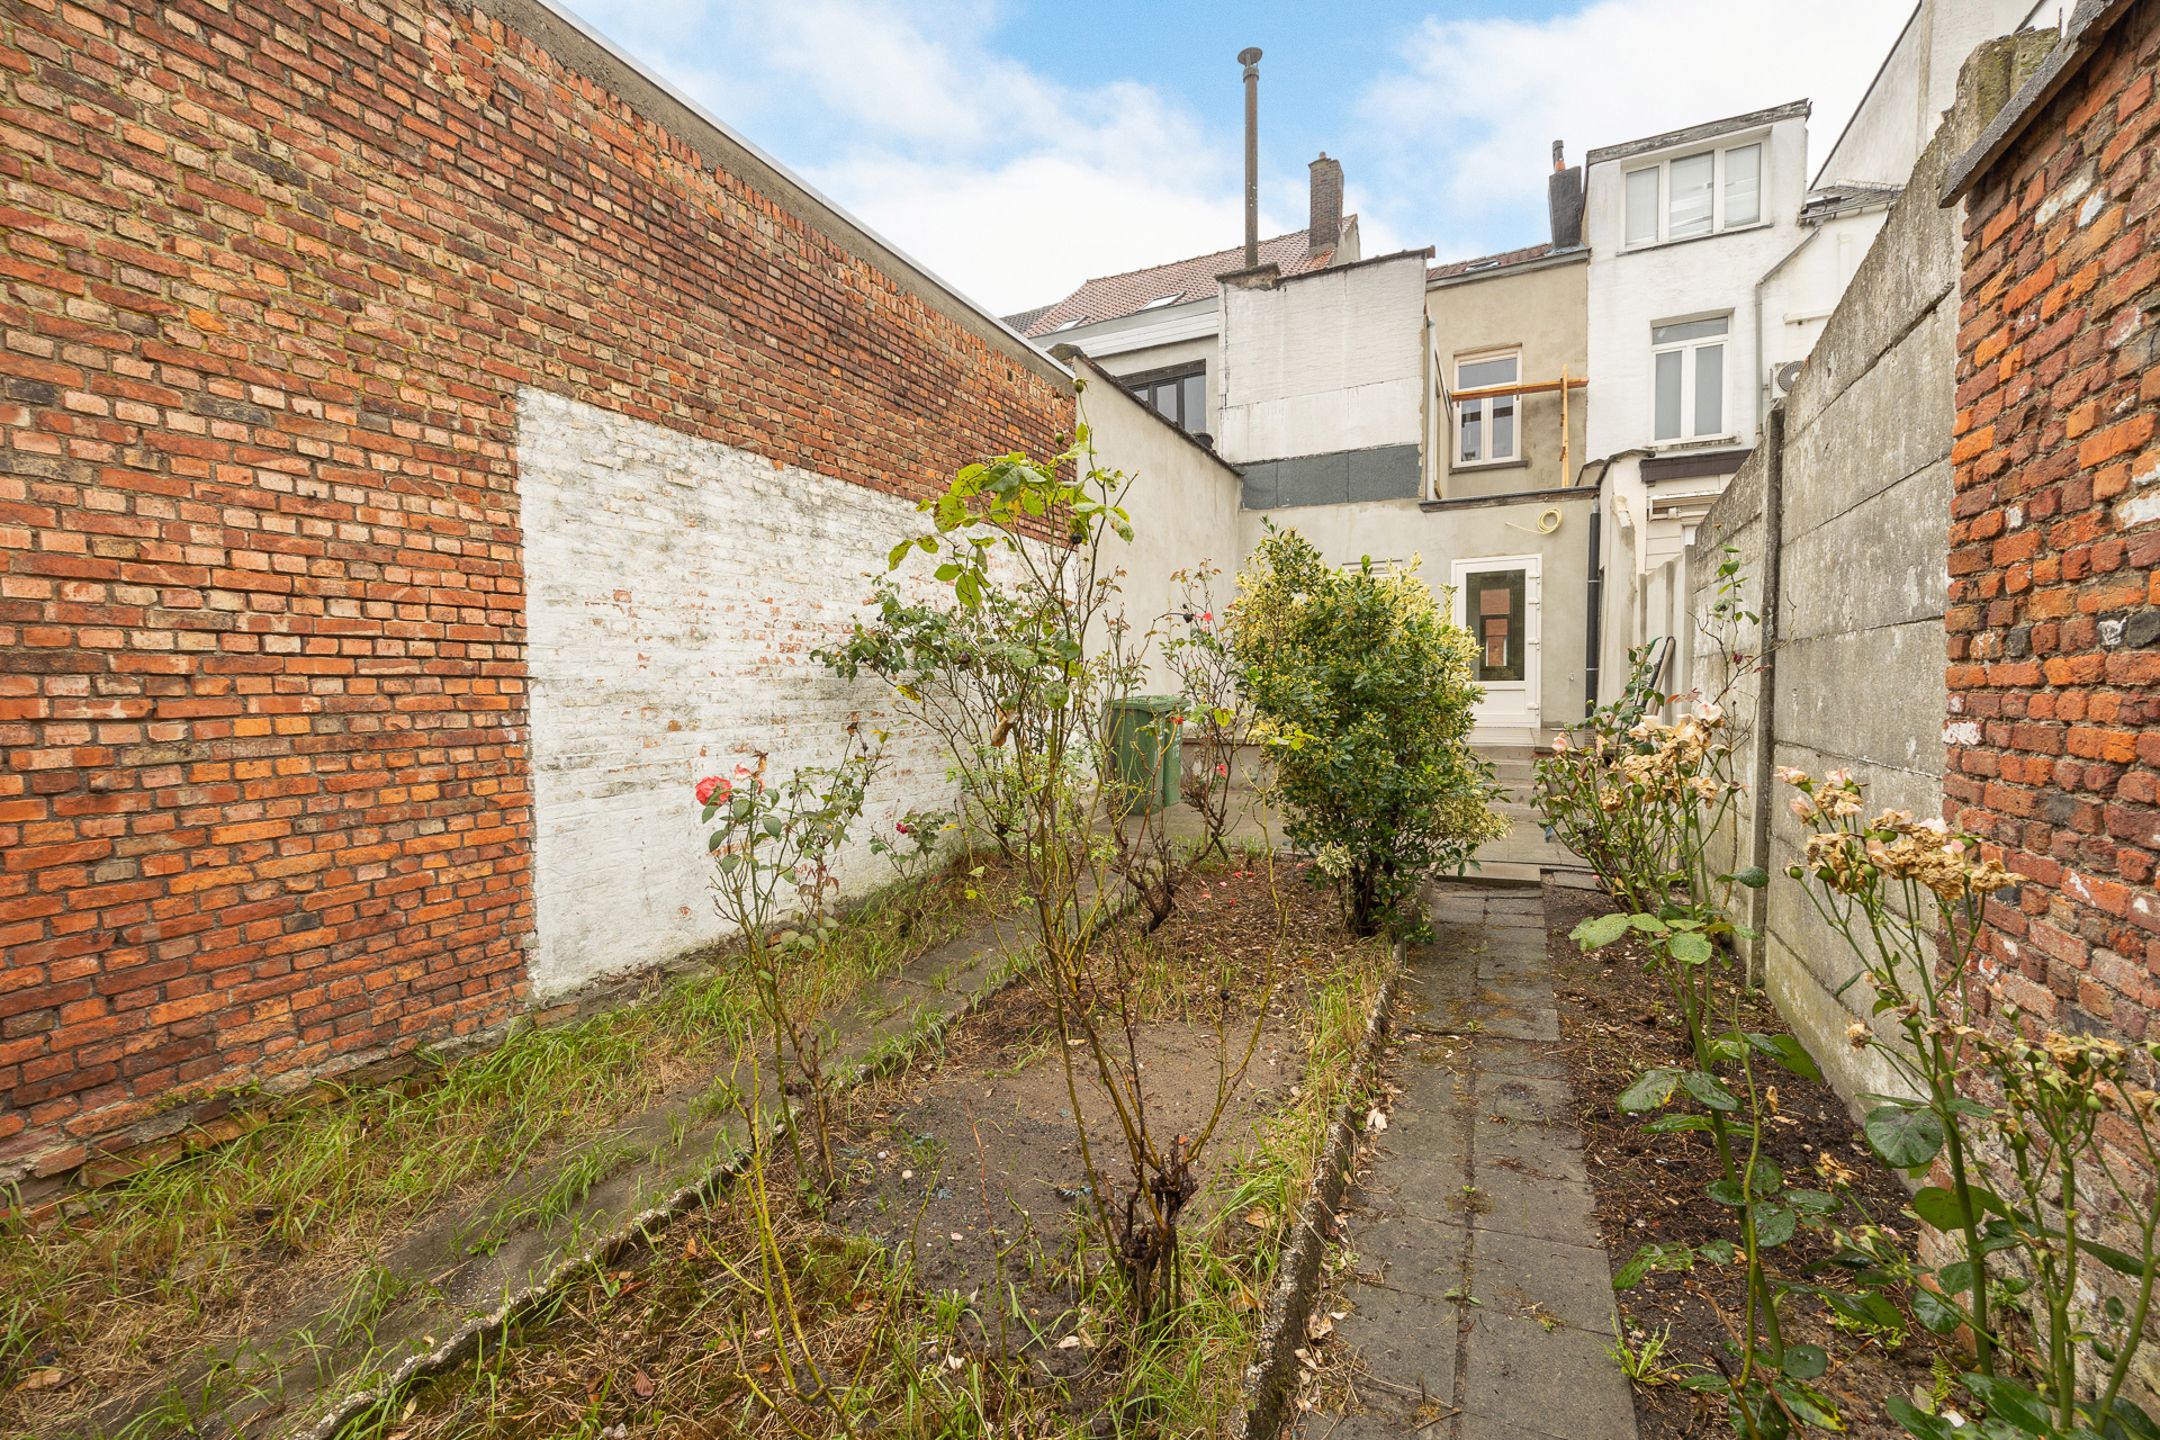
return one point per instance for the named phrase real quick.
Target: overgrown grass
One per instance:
(1189, 1380)
(685, 1341)
(192, 1252)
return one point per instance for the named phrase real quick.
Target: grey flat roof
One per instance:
(1709, 128)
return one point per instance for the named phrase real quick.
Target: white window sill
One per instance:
(1460, 466)
(1648, 245)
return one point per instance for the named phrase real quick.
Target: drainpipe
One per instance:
(1249, 57)
(1595, 604)
(1773, 522)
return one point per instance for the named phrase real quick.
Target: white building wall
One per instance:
(1184, 507)
(675, 590)
(1325, 362)
(1630, 291)
(1917, 82)
(1799, 296)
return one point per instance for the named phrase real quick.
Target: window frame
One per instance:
(1485, 408)
(1662, 165)
(1176, 375)
(1689, 350)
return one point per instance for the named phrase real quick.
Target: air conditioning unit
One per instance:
(1783, 376)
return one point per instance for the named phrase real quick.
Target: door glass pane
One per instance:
(1503, 429)
(1493, 603)
(1642, 206)
(1668, 396)
(1690, 180)
(1710, 390)
(1743, 185)
(1193, 403)
(1473, 415)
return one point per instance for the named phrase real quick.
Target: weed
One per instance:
(1640, 1354)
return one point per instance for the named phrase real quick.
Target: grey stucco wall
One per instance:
(1858, 652)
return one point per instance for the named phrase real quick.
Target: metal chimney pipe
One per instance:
(1249, 57)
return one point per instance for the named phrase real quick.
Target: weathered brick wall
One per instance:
(2054, 600)
(272, 277)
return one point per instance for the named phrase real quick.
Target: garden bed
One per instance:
(122, 1287)
(1617, 1021)
(955, 1285)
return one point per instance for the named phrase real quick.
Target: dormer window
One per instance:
(1684, 196)
(1162, 300)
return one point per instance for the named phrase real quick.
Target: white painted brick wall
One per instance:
(675, 590)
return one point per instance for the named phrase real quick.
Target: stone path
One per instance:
(1481, 1302)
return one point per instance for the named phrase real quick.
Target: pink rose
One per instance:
(707, 786)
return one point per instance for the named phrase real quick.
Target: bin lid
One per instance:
(1152, 704)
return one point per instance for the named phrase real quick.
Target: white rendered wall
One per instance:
(1184, 507)
(1917, 82)
(675, 590)
(1324, 362)
(1632, 290)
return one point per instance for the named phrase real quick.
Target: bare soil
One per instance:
(1616, 1020)
(966, 1165)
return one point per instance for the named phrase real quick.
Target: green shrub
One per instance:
(1363, 698)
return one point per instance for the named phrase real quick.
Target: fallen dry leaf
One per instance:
(641, 1385)
(48, 1377)
(1259, 1219)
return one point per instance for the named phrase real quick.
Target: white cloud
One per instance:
(1013, 186)
(1465, 124)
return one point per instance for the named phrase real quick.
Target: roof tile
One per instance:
(1111, 297)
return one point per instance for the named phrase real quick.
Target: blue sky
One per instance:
(1018, 147)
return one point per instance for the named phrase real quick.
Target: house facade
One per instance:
(1504, 522)
(1159, 329)
(1682, 227)
(1389, 408)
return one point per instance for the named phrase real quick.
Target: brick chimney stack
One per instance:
(1564, 200)
(1324, 227)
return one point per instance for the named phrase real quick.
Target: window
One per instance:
(1485, 429)
(1688, 361)
(1179, 397)
(1494, 604)
(1743, 185)
(1642, 192)
(1688, 182)
(1697, 194)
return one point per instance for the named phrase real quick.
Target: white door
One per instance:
(1497, 601)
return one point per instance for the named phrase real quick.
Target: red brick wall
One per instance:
(270, 276)
(2054, 613)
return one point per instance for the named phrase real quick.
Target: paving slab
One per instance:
(1518, 1275)
(1405, 1340)
(1491, 1287)
(1552, 1380)
(1410, 1253)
